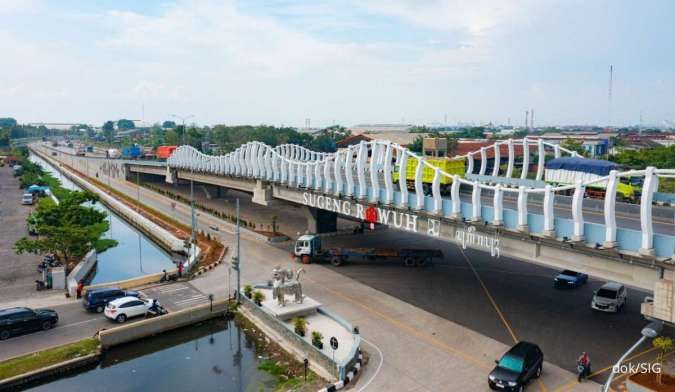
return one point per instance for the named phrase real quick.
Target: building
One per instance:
(403, 138)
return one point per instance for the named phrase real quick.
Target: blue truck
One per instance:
(132, 152)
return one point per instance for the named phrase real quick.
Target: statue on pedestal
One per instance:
(285, 283)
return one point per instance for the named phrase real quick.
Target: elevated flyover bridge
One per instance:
(525, 222)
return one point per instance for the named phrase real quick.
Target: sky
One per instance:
(345, 62)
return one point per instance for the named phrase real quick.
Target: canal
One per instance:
(212, 356)
(135, 255)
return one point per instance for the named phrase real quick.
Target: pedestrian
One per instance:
(180, 269)
(164, 277)
(80, 287)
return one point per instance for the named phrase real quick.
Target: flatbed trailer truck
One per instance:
(308, 249)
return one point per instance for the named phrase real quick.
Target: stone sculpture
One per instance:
(284, 283)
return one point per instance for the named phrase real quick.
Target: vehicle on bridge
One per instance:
(570, 279)
(15, 321)
(81, 151)
(164, 152)
(567, 170)
(448, 165)
(132, 152)
(308, 249)
(113, 153)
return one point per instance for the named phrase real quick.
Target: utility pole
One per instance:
(236, 263)
(183, 119)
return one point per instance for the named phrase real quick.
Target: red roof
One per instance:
(465, 147)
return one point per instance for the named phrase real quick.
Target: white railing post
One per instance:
(469, 165)
(541, 150)
(498, 205)
(436, 191)
(276, 170)
(419, 187)
(298, 175)
(349, 171)
(556, 151)
(577, 212)
(403, 177)
(361, 156)
(292, 173)
(337, 168)
(475, 202)
(483, 161)
(317, 175)
(509, 167)
(609, 210)
(456, 202)
(308, 175)
(327, 182)
(497, 161)
(650, 185)
(386, 171)
(549, 227)
(374, 181)
(526, 160)
(522, 209)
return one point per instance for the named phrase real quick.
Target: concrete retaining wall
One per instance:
(302, 347)
(16, 382)
(81, 270)
(144, 328)
(133, 282)
(162, 236)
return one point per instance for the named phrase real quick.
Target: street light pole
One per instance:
(652, 330)
(237, 259)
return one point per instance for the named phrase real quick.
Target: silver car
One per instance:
(610, 297)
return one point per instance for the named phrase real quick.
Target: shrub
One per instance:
(300, 325)
(248, 290)
(258, 297)
(317, 339)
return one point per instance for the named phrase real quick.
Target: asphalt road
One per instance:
(474, 290)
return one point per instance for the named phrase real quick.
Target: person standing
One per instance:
(80, 287)
(180, 269)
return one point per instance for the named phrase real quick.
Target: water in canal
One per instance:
(212, 356)
(135, 255)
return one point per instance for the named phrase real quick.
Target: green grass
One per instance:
(285, 381)
(16, 366)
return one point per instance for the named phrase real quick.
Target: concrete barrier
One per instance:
(144, 328)
(18, 382)
(133, 282)
(81, 270)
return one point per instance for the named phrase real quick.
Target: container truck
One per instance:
(567, 170)
(132, 152)
(308, 249)
(164, 152)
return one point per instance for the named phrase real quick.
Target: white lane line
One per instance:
(39, 333)
(379, 366)
(191, 299)
(170, 289)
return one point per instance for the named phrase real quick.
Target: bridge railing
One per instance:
(364, 171)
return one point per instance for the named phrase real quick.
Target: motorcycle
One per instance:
(48, 262)
(582, 371)
(155, 311)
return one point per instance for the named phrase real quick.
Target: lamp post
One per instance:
(183, 119)
(650, 331)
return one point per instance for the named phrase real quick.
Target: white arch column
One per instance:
(549, 227)
(337, 168)
(541, 150)
(298, 174)
(469, 164)
(374, 182)
(650, 186)
(309, 170)
(556, 151)
(403, 177)
(349, 172)
(327, 182)
(526, 160)
(386, 172)
(498, 205)
(509, 167)
(436, 191)
(361, 156)
(483, 161)
(609, 210)
(475, 202)
(497, 160)
(456, 202)
(419, 189)
(577, 212)
(522, 210)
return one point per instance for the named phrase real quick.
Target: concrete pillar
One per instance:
(262, 193)
(577, 212)
(497, 160)
(541, 150)
(522, 210)
(526, 159)
(483, 161)
(403, 177)
(609, 210)
(549, 228)
(509, 167)
(320, 221)
(456, 202)
(498, 205)
(651, 184)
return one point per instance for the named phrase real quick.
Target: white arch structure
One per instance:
(364, 171)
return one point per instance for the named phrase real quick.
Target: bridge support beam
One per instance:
(320, 221)
(262, 193)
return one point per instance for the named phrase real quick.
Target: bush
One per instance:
(300, 325)
(248, 290)
(258, 297)
(317, 339)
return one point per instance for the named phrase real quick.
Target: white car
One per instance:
(124, 308)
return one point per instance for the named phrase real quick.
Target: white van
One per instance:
(27, 199)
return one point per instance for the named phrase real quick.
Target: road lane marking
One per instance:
(60, 326)
(379, 365)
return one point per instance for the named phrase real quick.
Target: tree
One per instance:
(169, 124)
(125, 124)
(664, 345)
(109, 131)
(574, 145)
(4, 137)
(7, 122)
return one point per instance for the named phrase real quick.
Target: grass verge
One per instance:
(27, 363)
